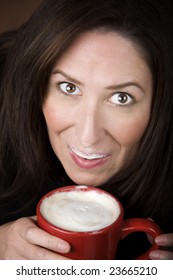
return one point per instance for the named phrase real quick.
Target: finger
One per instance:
(34, 252)
(34, 218)
(161, 255)
(165, 240)
(39, 253)
(37, 236)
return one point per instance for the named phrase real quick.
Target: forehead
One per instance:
(106, 40)
(107, 54)
(107, 44)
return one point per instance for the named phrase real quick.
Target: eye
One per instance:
(121, 98)
(69, 88)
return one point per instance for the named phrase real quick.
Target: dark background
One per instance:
(14, 12)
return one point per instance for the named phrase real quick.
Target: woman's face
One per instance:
(98, 106)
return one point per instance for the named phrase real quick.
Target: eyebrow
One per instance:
(111, 87)
(68, 77)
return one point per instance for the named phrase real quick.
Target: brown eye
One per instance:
(121, 98)
(69, 88)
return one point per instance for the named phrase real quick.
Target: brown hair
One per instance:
(26, 158)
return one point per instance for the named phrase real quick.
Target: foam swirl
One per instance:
(80, 210)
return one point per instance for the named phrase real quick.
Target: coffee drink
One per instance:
(80, 210)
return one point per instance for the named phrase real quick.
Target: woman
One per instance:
(86, 98)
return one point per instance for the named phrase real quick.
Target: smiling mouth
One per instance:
(88, 155)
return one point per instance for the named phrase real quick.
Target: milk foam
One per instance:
(80, 210)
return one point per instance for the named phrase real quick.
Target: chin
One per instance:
(93, 182)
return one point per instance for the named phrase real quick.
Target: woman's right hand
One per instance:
(23, 239)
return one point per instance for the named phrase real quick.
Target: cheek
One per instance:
(55, 117)
(128, 133)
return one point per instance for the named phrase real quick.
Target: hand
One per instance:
(165, 241)
(23, 239)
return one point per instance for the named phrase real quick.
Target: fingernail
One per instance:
(160, 240)
(154, 255)
(63, 247)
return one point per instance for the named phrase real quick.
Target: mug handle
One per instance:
(144, 225)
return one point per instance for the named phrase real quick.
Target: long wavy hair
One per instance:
(26, 158)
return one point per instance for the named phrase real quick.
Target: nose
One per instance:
(89, 126)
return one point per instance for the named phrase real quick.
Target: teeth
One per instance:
(89, 156)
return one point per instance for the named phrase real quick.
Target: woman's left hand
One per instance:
(165, 241)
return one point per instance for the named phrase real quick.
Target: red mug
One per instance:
(99, 243)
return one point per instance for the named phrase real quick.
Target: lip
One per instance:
(82, 162)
